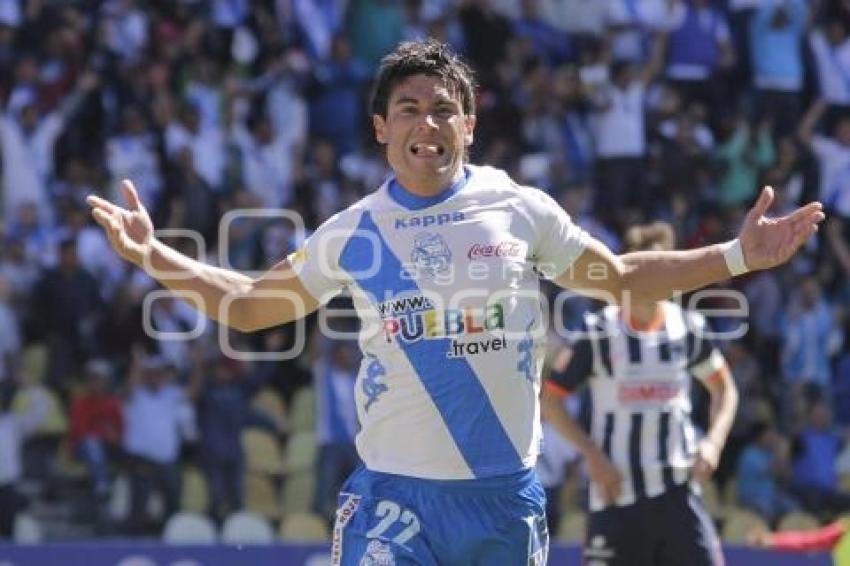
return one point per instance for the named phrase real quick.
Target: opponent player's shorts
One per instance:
(387, 520)
(671, 529)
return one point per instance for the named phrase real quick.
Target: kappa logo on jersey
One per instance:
(507, 248)
(427, 220)
(431, 255)
(378, 554)
(373, 385)
(526, 358)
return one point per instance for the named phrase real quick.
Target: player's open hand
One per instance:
(129, 230)
(707, 459)
(768, 242)
(607, 478)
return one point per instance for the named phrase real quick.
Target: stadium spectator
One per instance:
(334, 373)
(830, 47)
(742, 152)
(15, 428)
(619, 132)
(154, 416)
(67, 306)
(336, 97)
(776, 48)
(222, 390)
(10, 331)
(833, 155)
(810, 336)
(763, 471)
(699, 52)
(96, 425)
(27, 140)
(135, 150)
(814, 481)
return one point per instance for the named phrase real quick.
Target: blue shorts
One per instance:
(389, 520)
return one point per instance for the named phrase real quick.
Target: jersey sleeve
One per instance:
(558, 240)
(705, 360)
(316, 263)
(578, 370)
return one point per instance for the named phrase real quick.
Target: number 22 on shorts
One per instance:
(390, 512)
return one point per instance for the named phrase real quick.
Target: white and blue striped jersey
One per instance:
(640, 412)
(447, 289)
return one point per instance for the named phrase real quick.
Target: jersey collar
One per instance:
(416, 202)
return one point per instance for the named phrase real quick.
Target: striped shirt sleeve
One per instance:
(578, 370)
(706, 362)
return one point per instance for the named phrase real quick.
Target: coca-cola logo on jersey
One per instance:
(507, 248)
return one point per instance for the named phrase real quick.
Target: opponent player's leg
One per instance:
(374, 530)
(619, 536)
(689, 533)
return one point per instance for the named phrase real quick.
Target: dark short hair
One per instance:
(427, 57)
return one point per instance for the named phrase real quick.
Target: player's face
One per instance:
(426, 133)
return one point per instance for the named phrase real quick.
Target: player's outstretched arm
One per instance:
(226, 296)
(646, 276)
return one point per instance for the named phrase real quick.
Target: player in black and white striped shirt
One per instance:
(642, 451)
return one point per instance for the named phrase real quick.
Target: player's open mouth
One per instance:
(423, 149)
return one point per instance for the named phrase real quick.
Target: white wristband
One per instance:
(733, 254)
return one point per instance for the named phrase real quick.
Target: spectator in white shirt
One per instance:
(133, 153)
(619, 130)
(579, 18)
(27, 139)
(125, 29)
(207, 145)
(266, 161)
(833, 154)
(15, 427)
(831, 50)
(153, 417)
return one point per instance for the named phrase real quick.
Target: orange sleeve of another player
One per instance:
(556, 390)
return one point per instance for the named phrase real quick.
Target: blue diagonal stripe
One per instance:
(451, 382)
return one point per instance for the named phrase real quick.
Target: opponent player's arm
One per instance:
(553, 412)
(599, 467)
(723, 405)
(648, 276)
(575, 372)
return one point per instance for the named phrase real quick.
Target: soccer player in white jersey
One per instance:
(642, 452)
(443, 263)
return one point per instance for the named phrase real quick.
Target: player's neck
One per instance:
(429, 187)
(644, 317)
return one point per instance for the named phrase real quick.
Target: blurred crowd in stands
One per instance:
(624, 110)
